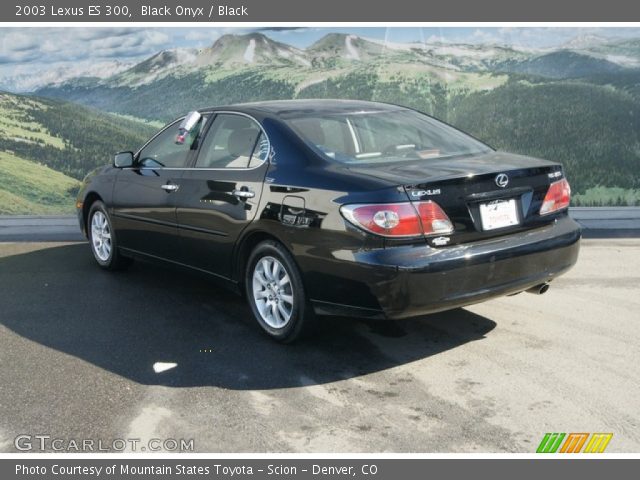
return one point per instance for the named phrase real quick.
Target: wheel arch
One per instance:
(89, 200)
(246, 244)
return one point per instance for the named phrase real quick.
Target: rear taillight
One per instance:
(399, 219)
(557, 198)
(434, 220)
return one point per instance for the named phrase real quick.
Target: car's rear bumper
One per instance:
(408, 281)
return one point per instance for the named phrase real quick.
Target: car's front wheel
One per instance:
(102, 239)
(276, 294)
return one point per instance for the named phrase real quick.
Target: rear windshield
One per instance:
(383, 136)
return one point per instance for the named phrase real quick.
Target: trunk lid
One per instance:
(477, 193)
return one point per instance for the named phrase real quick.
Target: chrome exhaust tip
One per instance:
(539, 289)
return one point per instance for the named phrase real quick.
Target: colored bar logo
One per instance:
(573, 442)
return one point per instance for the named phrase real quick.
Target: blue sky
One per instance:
(55, 51)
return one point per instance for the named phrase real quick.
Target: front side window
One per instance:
(163, 151)
(234, 141)
(383, 136)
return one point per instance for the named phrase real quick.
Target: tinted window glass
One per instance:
(163, 151)
(261, 152)
(331, 133)
(384, 136)
(231, 142)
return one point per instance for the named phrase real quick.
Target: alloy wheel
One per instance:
(101, 236)
(273, 292)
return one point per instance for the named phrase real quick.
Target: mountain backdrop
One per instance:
(578, 103)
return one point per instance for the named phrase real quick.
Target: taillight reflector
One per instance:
(434, 220)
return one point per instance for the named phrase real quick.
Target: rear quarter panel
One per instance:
(300, 208)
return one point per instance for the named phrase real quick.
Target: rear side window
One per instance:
(331, 133)
(234, 141)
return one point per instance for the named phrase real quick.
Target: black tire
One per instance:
(302, 317)
(114, 260)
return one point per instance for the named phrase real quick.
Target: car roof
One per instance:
(294, 108)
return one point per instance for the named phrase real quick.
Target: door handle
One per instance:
(244, 193)
(170, 187)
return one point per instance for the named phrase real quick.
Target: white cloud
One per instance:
(484, 36)
(93, 33)
(201, 35)
(20, 41)
(436, 39)
(25, 79)
(53, 45)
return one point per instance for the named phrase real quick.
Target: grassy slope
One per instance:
(31, 188)
(47, 145)
(28, 187)
(69, 138)
(16, 124)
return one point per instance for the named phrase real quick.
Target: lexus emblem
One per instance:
(502, 180)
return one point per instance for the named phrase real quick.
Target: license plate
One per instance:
(498, 214)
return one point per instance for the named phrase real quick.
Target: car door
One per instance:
(220, 194)
(144, 209)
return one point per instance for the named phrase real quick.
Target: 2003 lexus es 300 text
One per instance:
(329, 207)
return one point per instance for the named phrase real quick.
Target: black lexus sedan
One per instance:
(332, 207)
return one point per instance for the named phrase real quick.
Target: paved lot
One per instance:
(78, 348)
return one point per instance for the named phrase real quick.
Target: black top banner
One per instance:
(324, 11)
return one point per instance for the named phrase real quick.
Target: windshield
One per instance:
(383, 136)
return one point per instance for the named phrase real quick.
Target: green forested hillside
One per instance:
(47, 146)
(561, 64)
(627, 81)
(593, 130)
(67, 137)
(578, 105)
(425, 94)
(178, 94)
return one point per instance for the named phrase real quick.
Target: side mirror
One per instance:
(123, 160)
